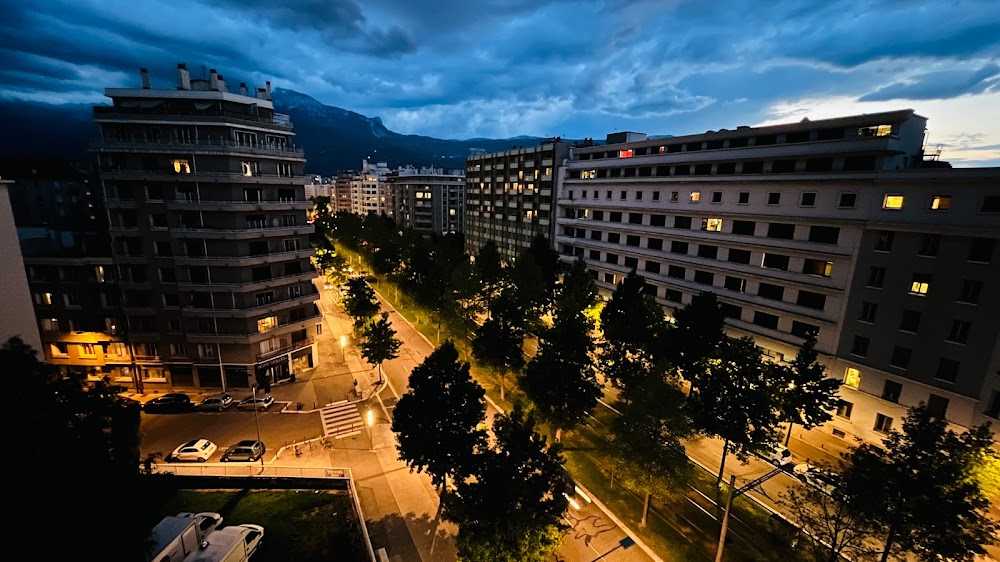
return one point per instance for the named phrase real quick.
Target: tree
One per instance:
(810, 396)
(548, 263)
(466, 304)
(489, 265)
(83, 441)
(578, 291)
(645, 445)
(633, 326)
(510, 508)
(532, 292)
(498, 343)
(735, 397)
(561, 378)
(360, 302)
(380, 343)
(921, 486)
(437, 420)
(697, 332)
(835, 530)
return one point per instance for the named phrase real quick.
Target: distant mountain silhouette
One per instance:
(334, 139)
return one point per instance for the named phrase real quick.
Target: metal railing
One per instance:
(178, 145)
(280, 121)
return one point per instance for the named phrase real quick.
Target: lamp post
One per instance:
(369, 422)
(343, 345)
(257, 423)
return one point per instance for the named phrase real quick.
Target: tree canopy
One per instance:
(697, 332)
(380, 343)
(810, 396)
(360, 302)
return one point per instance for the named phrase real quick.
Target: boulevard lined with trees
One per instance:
(675, 379)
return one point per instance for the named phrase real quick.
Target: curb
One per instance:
(649, 552)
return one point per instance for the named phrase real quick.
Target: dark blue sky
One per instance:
(465, 68)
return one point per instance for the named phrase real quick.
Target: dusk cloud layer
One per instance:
(458, 69)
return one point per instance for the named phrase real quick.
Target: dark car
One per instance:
(262, 403)
(215, 403)
(169, 403)
(248, 450)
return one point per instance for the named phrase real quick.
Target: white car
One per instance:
(253, 537)
(816, 477)
(198, 450)
(207, 521)
(779, 456)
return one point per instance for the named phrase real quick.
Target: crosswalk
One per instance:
(341, 419)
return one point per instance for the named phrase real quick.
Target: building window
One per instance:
(739, 256)
(937, 406)
(249, 168)
(614, 237)
(817, 267)
(765, 320)
(674, 195)
(626, 153)
(848, 200)
(891, 391)
(769, 291)
(929, 245)
(900, 357)
(631, 240)
(774, 261)
(994, 410)
(824, 234)
(266, 324)
(50, 325)
(859, 346)
(656, 196)
(675, 271)
(808, 199)
(852, 377)
(970, 291)
(712, 225)
(959, 332)
(182, 166)
(743, 198)
(784, 231)
(876, 277)
(654, 243)
(87, 350)
(812, 300)
(868, 310)
(657, 220)
(704, 277)
(991, 204)
(947, 370)
(736, 284)
(635, 218)
(706, 251)
(773, 198)
(58, 349)
(588, 174)
(910, 321)
(638, 196)
(716, 197)
(745, 228)
(844, 409)
(875, 131)
(940, 202)
(884, 241)
(883, 423)
(981, 250)
(803, 330)
(695, 196)
(652, 266)
(920, 284)
(682, 222)
(624, 195)
(894, 202)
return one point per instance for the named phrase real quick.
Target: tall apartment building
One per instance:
(18, 315)
(205, 195)
(510, 195)
(836, 226)
(427, 199)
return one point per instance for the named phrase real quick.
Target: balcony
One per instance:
(140, 114)
(201, 146)
(108, 172)
(247, 286)
(243, 261)
(266, 205)
(245, 233)
(294, 346)
(256, 310)
(254, 337)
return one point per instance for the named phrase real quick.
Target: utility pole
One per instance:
(725, 518)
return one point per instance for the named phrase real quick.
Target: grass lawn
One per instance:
(299, 525)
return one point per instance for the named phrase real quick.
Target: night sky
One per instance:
(466, 68)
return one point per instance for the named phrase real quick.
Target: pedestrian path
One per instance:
(341, 419)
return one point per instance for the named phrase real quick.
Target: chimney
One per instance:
(261, 93)
(213, 80)
(268, 83)
(183, 77)
(145, 78)
(243, 89)
(222, 84)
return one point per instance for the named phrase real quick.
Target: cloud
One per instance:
(940, 85)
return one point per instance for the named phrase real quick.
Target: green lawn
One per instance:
(299, 526)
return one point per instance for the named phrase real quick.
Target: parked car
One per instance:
(215, 403)
(779, 456)
(199, 450)
(263, 402)
(253, 538)
(810, 475)
(207, 521)
(248, 450)
(169, 403)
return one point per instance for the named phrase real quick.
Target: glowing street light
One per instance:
(343, 345)
(369, 422)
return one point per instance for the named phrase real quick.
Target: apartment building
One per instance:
(509, 196)
(207, 211)
(18, 315)
(839, 227)
(427, 199)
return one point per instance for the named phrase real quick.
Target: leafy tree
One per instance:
(561, 378)
(83, 441)
(548, 263)
(810, 396)
(836, 531)
(736, 398)
(380, 343)
(360, 302)
(465, 305)
(633, 325)
(437, 420)
(498, 343)
(921, 486)
(509, 510)
(578, 291)
(532, 293)
(489, 264)
(645, 446)
(697, 332)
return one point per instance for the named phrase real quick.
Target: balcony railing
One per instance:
(143, 145)
(103, 112)
(195, 175)
(294, 346)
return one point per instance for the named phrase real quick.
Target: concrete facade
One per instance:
(428, 199)
(18, 314)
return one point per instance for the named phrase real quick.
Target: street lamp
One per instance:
(369, 422)
(257, 422)
(343, 344)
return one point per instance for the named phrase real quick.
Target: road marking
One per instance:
(341, 419)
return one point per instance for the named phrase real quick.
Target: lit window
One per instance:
(249, 168)
(266, 324)
(58, 349)
(941, 202)
(182, 167)
(695, 196)
(852, 377)
(625, 153)
(451, 212)
(588, 174)
(713, 225)
(47, 298)
(50, 325)
(875, 131)
(892, 202)
(87, 349)
(920, 284)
